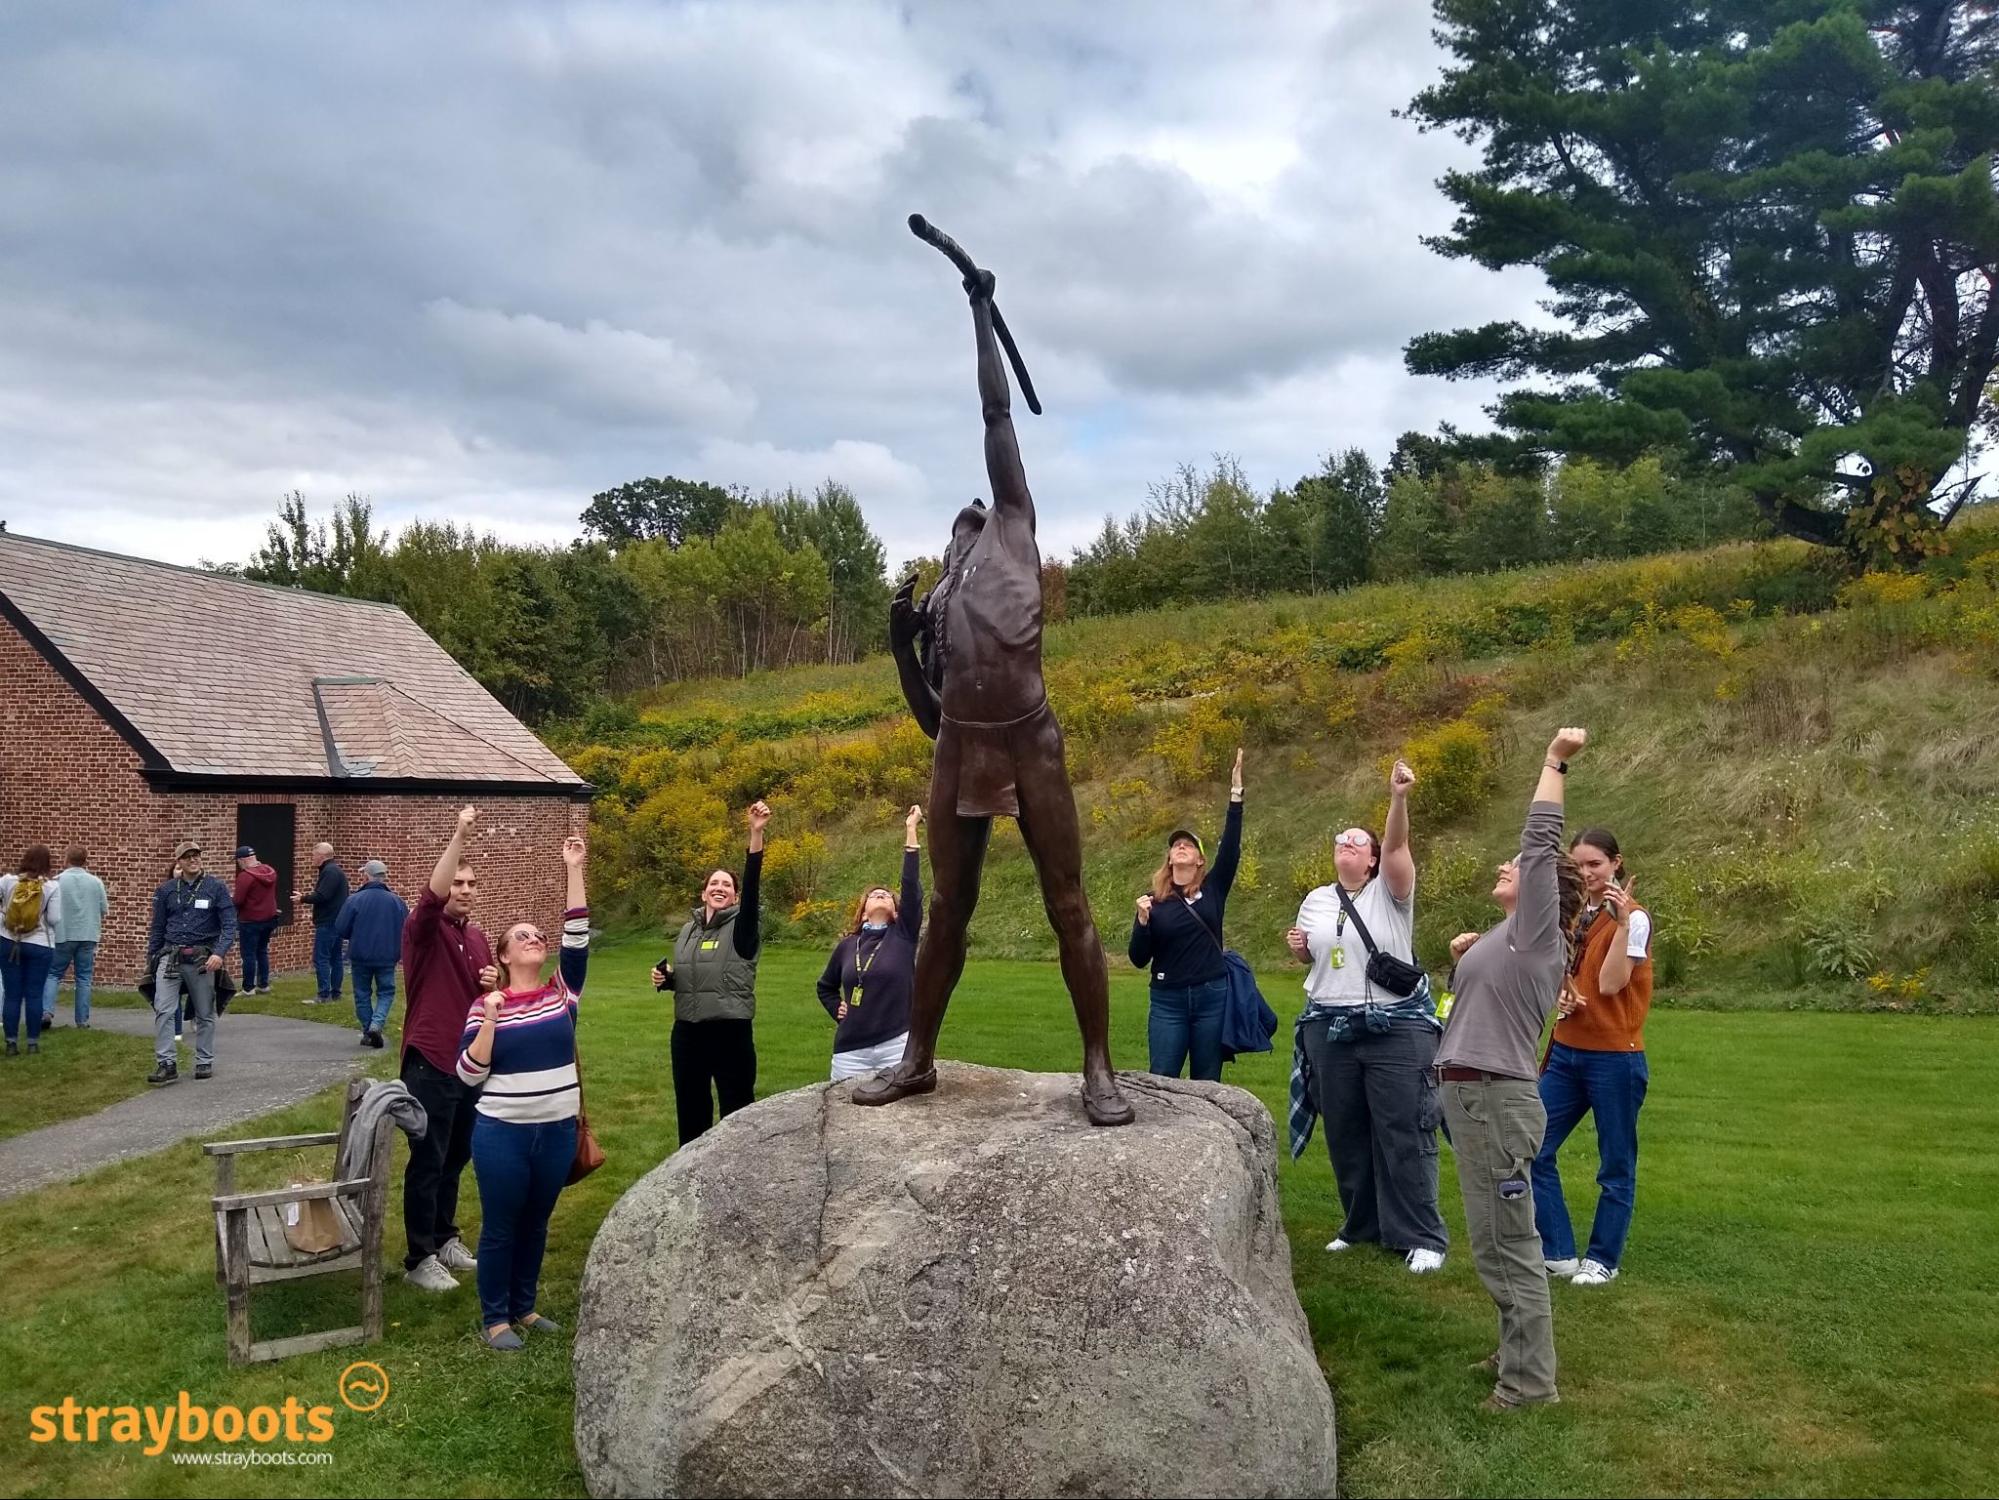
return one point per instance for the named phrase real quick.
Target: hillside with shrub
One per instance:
(1800, 764)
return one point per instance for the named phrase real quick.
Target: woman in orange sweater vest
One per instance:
(1596, 1064)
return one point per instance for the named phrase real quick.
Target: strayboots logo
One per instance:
(152, 1429)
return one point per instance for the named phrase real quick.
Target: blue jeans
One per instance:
(1575, 1083)
(24, 978)
(328, 961)
(82, 955)
(380, 981)
(256, 940)
(521, 1170)
(1184, 1020)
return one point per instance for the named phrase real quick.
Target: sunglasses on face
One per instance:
(1351, 841)
(527, 935)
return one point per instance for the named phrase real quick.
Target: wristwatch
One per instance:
(1561, 767)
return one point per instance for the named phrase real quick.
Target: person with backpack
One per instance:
(1367, 1039)
(868, 979)
(30, 913)
(1177, 935)
(371, 925)
(194, 925)
(713, 977)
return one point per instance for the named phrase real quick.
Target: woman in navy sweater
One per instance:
(867, 984)
(519, 1050)
(1177, 934)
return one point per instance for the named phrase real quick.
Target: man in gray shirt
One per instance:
(83, 907)
(1507, 983)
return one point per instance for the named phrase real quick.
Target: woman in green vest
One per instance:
(713, 976)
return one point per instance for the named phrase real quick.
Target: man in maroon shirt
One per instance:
(447, 964)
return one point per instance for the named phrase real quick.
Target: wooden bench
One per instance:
(251, 1248)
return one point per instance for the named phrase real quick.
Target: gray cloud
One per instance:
(481, 261)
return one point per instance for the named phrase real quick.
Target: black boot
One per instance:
(164, 1073)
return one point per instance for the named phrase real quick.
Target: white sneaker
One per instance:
(1422, 1261)
(1594, 1273)
(427, 1275)
(453, 1256)
(1338, 1245)
(1567, 1267)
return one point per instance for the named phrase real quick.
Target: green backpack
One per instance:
(24, 907)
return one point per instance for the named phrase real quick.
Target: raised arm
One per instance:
(903, 625)
(748, 939)
(1011, 501)
(909, 911)
(1398, 865)
(574, 961)
(1228, 854)
(1537, 913)
(447, 862)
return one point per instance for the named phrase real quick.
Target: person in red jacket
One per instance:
(256, 896)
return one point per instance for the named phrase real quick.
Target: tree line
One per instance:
(671, 579)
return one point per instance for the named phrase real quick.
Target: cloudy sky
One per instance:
(478, 262)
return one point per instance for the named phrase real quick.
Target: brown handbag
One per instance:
(589, 1155)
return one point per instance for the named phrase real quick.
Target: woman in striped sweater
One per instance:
(519, 1050)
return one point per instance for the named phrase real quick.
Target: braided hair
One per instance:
(1572, 893)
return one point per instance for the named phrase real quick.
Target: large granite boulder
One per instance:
(969, 1293)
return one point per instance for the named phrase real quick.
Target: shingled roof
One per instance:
(217, 679)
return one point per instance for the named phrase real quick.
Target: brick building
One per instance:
(142, 703)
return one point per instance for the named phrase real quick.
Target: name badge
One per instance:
(202, 904)
(710, 944)
(1337, 957)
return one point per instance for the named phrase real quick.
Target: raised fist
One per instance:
(1568, 743)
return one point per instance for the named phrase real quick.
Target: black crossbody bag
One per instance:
(1383, 969)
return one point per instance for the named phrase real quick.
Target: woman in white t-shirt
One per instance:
(27, 943)
(1371, 1052)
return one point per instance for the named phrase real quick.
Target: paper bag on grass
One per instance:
(311, 1225)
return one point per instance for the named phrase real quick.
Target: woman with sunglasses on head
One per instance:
(1369, 1051)
(867, 983)
(519, 1050)
(1508, 981)
(1596, 1064)
(1177, 934)
(713, 976)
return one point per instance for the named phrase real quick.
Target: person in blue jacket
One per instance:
(371, 925)
(1177, 934)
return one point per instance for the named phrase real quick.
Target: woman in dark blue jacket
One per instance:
(1177, 934)
(868, 981)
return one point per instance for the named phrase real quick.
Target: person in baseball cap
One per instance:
(194, 925)
(371, 925)
(1177, 935)
(256, 897)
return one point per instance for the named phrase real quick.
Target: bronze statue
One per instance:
(969, 657)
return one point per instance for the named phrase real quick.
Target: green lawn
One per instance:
(1808, 1306)
(75, 1073)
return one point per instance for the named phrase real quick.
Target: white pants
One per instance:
(869, 1059)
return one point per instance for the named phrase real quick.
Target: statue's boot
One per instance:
(1104, 1102)
(898, 1082)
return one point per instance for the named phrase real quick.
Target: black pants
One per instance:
(1379, 1100)
(723, 1053)
(430, 1182)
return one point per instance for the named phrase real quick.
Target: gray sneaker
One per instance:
(453, 1256)
(427, 1275)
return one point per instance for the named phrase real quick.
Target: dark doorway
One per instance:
(271, 828)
